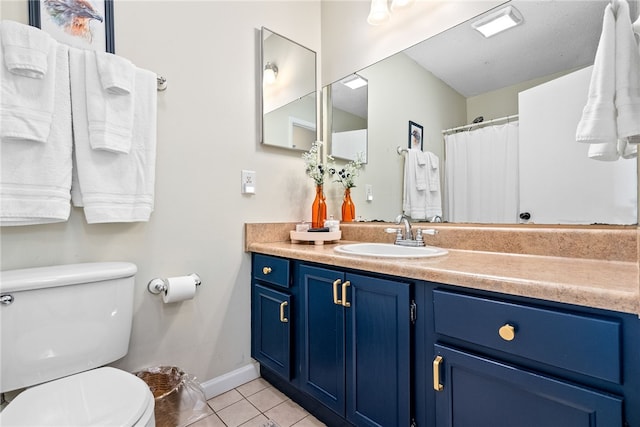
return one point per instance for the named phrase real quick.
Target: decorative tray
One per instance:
(318, 238)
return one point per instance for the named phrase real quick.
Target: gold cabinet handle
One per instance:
(335, 292)
(507, 332)
(282, 306)
(345, 285)
(436, 374)
(266, 270)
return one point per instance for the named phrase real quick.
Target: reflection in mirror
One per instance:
(539, 71)
(288, 93)
(348, 117)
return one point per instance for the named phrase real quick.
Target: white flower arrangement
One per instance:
(313, 167)
(347, 174)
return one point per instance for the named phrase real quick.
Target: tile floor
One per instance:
(255, 404)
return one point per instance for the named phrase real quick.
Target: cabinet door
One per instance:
(321, 339)
(378, 352)
(478, 392)
(271, 329)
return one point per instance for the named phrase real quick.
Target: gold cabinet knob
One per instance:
(266, 270)
(507, 332)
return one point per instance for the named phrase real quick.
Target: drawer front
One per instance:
(271, 269)
(582, 344)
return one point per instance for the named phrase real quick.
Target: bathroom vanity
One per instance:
(438, 342)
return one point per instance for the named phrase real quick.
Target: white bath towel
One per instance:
(26, 103)
(419, 160)
(117, 74)
(598, 122)
(434, 195)
(627, 99)
(26, 49)
(36, 178)
(421, 190)
(110, 110)
(115, 187)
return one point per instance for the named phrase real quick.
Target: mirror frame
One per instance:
(314, 92)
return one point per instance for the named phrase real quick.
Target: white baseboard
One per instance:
(230, 380)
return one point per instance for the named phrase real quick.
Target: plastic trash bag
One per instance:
(179, 399)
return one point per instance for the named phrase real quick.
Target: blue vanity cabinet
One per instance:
(271, 309)
(354, 345)
(498, 363)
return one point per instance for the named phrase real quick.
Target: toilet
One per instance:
(59, 326)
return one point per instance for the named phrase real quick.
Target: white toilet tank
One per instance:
(60, 320)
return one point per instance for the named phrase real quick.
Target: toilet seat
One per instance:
(100, 397)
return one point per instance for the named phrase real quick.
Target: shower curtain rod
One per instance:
(488, 122)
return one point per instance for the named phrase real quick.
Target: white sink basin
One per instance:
(386, 250)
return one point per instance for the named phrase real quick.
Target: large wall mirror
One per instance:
(289, 107)
(537, 75)
(348, 118)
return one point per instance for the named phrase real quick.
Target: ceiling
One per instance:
(555, 35)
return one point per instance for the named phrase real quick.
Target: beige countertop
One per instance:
(605, 284)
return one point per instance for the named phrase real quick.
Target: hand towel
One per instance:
(35, 179)
(109, 112)
(420, 160)
(414, 190)
(26, 104)
(26, 49)
(627, 78)
(433, 199)
(115, 187)
(598, 122)
(117, 74)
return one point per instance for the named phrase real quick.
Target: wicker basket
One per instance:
(166, 384)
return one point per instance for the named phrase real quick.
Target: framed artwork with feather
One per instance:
(415, 136)
(85, 24)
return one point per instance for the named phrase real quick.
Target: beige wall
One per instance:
(207, 133)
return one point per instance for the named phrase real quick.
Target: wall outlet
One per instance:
(248, 182)
(368, 191)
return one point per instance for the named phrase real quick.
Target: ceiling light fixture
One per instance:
(400, 4)
(497, 22)
(379, 13)
(354, 81)
(270, 73)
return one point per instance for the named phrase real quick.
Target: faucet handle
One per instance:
(396, 231)
(429, 231)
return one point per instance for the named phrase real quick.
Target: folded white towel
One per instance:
(115, 187)
(598, 122)
(627, 99)
(433, 171)
(433, 197)
(117, 74)
(26, 104)
(36, 178)
(26, 49)
(110, 114)
(419, 160)
(414, 190)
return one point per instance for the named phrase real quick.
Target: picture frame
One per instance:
(415, 135)
(93, 33)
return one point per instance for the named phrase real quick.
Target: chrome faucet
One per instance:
(407, 239)
(408, 235)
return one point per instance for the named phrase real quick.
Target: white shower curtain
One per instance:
(481, 173)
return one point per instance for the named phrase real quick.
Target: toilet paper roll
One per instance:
(179, 289)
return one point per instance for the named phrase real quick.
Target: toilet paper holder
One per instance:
(157, 286)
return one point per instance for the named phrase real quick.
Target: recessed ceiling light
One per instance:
(497, 22)
(354, 81)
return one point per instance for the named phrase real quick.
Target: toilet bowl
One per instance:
(100, 397)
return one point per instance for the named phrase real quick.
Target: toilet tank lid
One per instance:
(64, 275)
